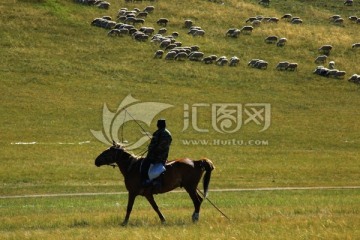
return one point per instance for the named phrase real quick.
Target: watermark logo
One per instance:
(130, 109)
(228, 117)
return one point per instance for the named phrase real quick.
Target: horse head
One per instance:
(110, 155)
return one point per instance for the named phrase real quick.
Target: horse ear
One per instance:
(114, 143)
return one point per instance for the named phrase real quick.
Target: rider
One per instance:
(158, 149)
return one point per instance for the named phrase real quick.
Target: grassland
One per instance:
(57, 71)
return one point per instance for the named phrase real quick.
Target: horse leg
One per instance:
(131, 200)
(197, 200)
(151, 200)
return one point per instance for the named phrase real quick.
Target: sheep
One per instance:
(141, 37)
(251, 19)
(147, 30)
(130, 20)
(355, 78)
(170, 55)
(271, 39)
(233, 32)
(291, 67)
(264, 2)
(188, 23)
(339, 21)
(181, 56)
(247, 29)
(348, 2)
(199, 32)
(193, 29)
(170, 46)
(358, 21)
(257, 63)
(175, 34)
(114, 33)
(149, 9)
(325, 49)
(331, 65)
(282, 66)
(334, 17)
(159, 54)
(252, 62)
(296, 21)
(321, 59)
(261, 64)
(142, 15)
(273, 20)
(321, 71)
(139, 21)
(104, 5)
(209, 59)
(162, 22)
(356, 45)
(256, 23)
(332, 73)
(110, 24)
(162, 31)
(340, 74)
(222, 62)
(219, 59)
(196, 56)
(353, 18)
(287, 16)
(234, 61)
(166, 42)
(281, 42)
(107, 18)
(194, 48)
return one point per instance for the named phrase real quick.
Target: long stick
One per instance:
(213, 204)
(146, 133)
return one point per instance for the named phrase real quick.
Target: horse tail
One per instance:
(208, 166)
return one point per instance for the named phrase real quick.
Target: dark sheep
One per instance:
(162, 22)
(271, 39)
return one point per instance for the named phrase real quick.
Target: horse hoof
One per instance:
(195, 217)
(124, 223)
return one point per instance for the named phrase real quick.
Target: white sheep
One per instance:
(271, 39)
(325, 49)
(331, 65)
(282, 66)
(196, 56)
(356, 45)
(159, 54)
(247, 29)
(234, 61)
(348, 2)
(281, 42)
(321, 59)
(292, 67)
(170, 55)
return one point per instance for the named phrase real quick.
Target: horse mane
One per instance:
(133, 156)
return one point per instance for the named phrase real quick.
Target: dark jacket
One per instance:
(158, 150)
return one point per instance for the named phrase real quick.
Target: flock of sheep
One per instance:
(130, 23)
(98, 3)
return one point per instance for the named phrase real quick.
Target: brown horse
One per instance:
(184, 173)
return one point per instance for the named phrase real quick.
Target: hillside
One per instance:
(285, 144)
(57, 71)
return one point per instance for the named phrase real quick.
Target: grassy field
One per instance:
(57, 71)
